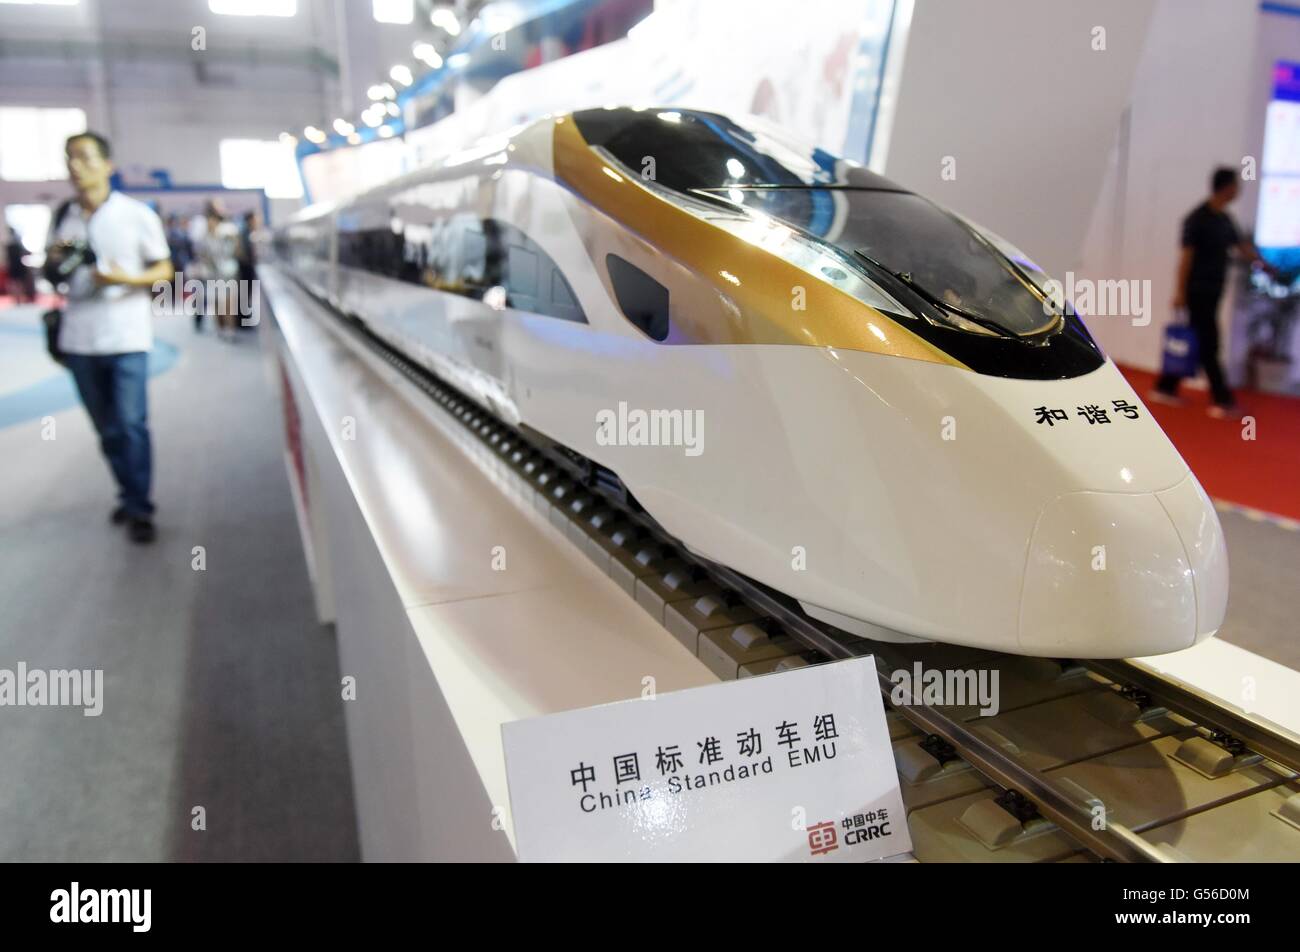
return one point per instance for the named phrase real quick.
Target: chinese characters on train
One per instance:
(1092, 412)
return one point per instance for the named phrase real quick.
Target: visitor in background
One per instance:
(218, 257)
(105, 254)
(247, 259)
(247, 256)
(196, 229)
(22, 283)
(1208, 234)
(178, 240)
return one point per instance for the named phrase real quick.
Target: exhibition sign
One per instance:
(789, 767)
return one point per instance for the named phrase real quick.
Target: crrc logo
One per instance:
(822, 838)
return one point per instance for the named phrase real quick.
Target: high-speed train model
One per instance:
(801, 370)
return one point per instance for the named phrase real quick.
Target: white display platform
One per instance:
(401, 512)
(1240, 678)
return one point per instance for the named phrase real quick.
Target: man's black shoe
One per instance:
(141, 530)
(118, 516)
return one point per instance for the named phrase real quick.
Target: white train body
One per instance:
(895, 459)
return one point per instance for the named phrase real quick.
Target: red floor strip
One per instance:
(44, 300)
(1263, 473)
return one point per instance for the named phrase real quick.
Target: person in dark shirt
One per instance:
(1209, 233)
(178, 240)
(22, 283)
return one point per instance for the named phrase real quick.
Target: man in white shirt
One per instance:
(109, 250)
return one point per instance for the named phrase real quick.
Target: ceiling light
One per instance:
(426, 54)
(445, 18)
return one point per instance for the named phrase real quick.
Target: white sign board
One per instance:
(795, 766)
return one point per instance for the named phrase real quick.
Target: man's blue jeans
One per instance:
(112, 387)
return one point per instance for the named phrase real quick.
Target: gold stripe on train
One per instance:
(723, 289)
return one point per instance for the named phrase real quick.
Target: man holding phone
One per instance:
(106, 252)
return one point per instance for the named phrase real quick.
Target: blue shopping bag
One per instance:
(1181, 356)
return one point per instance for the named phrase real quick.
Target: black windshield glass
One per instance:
(911, 237)
(693, 150)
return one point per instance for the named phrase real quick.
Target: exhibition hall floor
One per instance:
(220, 689)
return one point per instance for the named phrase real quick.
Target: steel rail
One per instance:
(1262, 736)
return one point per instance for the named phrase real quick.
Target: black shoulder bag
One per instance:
(57, 273)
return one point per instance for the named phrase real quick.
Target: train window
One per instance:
(642, 299)
(494, 252)
(465, 255)
(534, 282)
(521, 272)
(563, 304)
(561, 296)
(438, 272)
(473, 248)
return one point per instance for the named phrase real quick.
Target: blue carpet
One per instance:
(57, 392)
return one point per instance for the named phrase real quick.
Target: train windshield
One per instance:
(964, 278)
(933, 252)
(684, 150)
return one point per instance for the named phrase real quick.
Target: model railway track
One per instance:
(1230, 727)
(589, 503)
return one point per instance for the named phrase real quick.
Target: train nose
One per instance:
(1124, 574)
